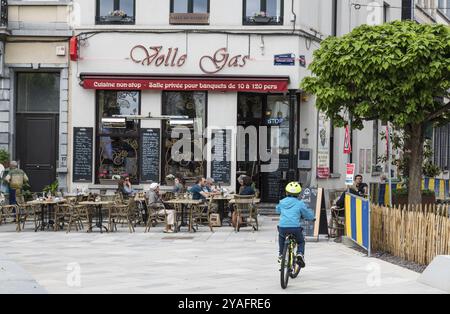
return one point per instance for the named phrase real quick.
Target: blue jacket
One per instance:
(291, 211)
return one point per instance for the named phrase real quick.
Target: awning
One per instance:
(186, 83)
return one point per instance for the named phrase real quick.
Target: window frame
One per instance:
(163, 129)
(99, 135)
(190, 7)
(263, 4)
(116, 6)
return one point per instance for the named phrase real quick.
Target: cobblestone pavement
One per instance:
(192, 263)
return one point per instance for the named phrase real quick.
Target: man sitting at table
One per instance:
(155, 202)
(197, 190)
(209, 187)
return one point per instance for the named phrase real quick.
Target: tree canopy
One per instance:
(397, 72)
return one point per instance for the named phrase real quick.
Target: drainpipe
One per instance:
(292, 174)
(334, 18)
(295, 16)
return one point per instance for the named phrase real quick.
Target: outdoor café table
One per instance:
(181, 204)
(47, 207)
(99, 215)
(221, 200)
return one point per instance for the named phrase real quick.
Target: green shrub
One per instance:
(4, 156)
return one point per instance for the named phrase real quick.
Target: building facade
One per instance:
(34, 96)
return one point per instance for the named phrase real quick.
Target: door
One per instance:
(37, 117)
(36, 145)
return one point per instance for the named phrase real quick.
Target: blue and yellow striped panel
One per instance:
(357, 220)
(447, 189)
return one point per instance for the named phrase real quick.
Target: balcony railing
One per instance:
(111, 19)
(3, 13)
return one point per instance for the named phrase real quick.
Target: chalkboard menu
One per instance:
(315, 200)
(273, 181)
(221, 156)
(150, 155)
(82, 154)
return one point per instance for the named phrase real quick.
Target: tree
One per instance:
(397, 72)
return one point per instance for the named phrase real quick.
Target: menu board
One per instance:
(150, 155)
(221, 156)
(274, 182)
(82, 154)
(314, 199)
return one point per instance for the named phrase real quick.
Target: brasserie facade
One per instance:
(218, 84)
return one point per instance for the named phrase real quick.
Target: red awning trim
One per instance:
(186, 83)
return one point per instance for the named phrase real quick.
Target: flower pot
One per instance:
(114, 18)
(261, 19)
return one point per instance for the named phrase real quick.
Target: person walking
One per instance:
(16, 179)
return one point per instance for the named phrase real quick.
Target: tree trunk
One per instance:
(416, 139)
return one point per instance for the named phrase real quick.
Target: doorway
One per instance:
(262, 110)
(37, 121)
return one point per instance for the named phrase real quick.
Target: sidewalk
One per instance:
(14, 279)
(198, 263)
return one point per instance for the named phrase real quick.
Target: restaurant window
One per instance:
(263, 12)
(277, 114)
(442, 147)
(193, 106)
(117, 148)
(115, 12)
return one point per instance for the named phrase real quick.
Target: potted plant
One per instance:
(261, 17)
(170, 180)
(116, 16)
(52, 188)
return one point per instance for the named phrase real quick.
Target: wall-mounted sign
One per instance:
(350, 174)
(284, 59)
(323, 147)
(222, 85)
(302, 61)
(159, 57)
(82, 154)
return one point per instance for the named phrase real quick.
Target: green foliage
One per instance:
(4, 156)
(52, 188)
(395, 72)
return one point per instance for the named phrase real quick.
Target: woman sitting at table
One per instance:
(155, 202)
(247, 187)
(179, 187)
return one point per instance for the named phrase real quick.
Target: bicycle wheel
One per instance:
(285, 270)
(295, 269)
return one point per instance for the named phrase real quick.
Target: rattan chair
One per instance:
(245, 210)
(125, 213)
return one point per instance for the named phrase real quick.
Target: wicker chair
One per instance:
(201, 215)
(245, 210)
(125, 213)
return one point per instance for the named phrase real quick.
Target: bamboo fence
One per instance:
(414, 233)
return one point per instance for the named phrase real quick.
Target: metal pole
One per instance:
(389, 162)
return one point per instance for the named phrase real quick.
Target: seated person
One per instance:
(247, 187)
(197, 190)
(179, 186)
(155, 202)
(125, 188)
(210, 188)
(360, 186)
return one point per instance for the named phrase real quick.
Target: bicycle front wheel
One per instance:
(285, 270)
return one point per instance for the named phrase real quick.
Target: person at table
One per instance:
(241, 183)
(361, 187)
(179, 186)
(210, 188)
(197, 190)
(247, 187)
(126, 188)
(16, 179)
(156, 203)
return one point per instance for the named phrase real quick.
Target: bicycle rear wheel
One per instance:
(285, 270)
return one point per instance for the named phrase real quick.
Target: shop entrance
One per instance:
(270, 111)
(37, 119)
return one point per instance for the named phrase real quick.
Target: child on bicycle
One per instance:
(291, 211)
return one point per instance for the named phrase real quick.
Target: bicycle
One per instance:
(289, 267)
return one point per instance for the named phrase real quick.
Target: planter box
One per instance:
(402, 200)
(261, 19)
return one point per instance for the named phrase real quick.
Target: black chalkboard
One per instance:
(273, 183)
(82, 154)
(221, 156)
(150, 155)
(315, 200)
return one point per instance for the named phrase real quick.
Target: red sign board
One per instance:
(222, 85)
(347, 142)
(350, 174)
(323, 173)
